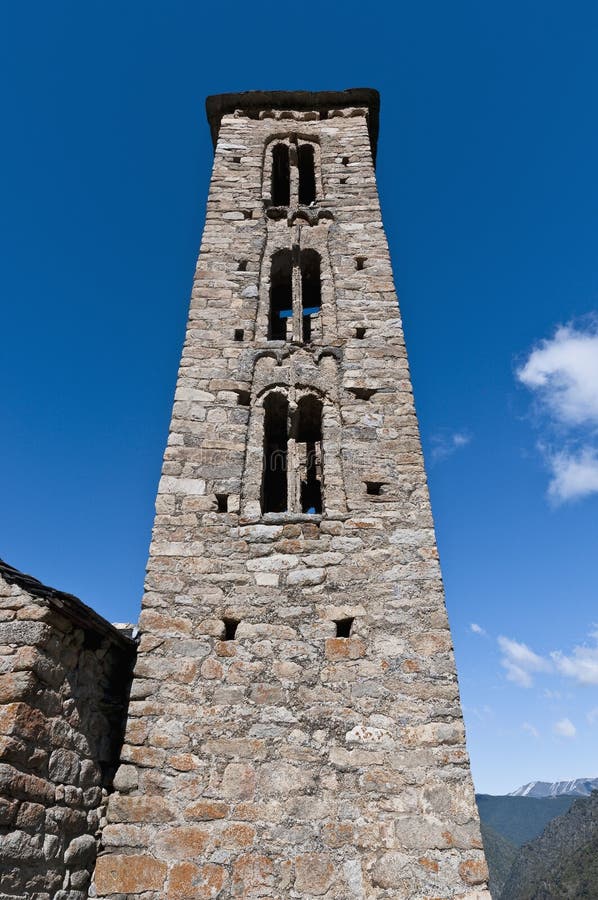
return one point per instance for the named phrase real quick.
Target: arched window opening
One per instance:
(274, 482)
(311, 290)
(308, 438)
(307, 174)
(281, 175)
(281, 295)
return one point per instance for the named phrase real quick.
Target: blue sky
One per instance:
(487, 175)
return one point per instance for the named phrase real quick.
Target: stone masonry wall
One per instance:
(319, 749)
(64, 679)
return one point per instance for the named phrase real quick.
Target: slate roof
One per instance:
(67, 604)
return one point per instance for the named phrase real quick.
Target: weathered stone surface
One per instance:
(147, 808)
(474, 871)
(189, 881)
(80, 850)
(117, 874)
(314, 874)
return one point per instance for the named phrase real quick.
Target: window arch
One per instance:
(292, 166)
(295, 295)
(281, 175)
(274, 477)
(281, 294)
(307, 432)
(311, 290)
(292, 470)
(307, 174)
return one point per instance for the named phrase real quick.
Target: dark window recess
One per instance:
(311, 290)
(343, 627)
(362, 393)
(246, 213)
(281, 295)
(360, 262)
(230, 629)
(345, 160)
(222, 502)
(307, 174)
(307, 431)
(281, 175)
(374, 487)
(323, 113)
(242, 267)
(360, 333)
(92, 640)
(236, 159)
(243, 398)
(274, 478)
(239, 334)
(343, 180)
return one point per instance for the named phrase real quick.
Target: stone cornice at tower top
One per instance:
(218, 105)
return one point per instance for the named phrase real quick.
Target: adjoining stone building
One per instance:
(64, 681)
(295, 727)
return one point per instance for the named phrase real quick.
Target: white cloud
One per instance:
(563, 372)
(581, 665)
(565, 728)
(446, 443)
(520, 662)
(574, 474)
(482, 713)
(477, 629)
(592, 716)
(531, 729)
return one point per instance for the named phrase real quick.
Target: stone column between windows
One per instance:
(296, 289)
(293, 173)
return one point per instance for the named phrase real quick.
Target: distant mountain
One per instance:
(500, 856)
(521, 819)
(561, 864)
(580, 787)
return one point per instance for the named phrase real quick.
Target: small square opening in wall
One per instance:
(246, 213)
(345, 160)
(343, 627)
(236, 159)
(239, 334)
(360, 262)
(222, 503)
(374, 487)
(230, 629)
(362, 393)
(360, 333)
(243, 398)
(343, 181)
(242, 267)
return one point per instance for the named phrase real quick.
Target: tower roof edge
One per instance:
(217, 105)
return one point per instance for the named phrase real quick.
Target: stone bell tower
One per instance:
(295, 727)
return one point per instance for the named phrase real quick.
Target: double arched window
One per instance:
(295, 291)
(293, 458)
(293, 173)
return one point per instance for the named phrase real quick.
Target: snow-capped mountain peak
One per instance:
(579, 787)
